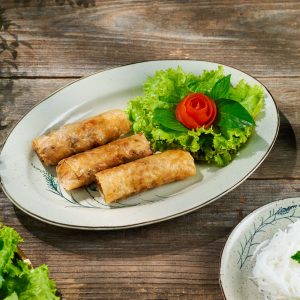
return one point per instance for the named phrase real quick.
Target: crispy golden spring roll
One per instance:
(81, 136)
(145, 173)
(80, 169)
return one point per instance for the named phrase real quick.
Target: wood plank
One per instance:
(73, 40)
(19, 96)
(176, 259)
(54, 40)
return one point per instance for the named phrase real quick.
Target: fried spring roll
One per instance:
(81, 136)
(80, 169)
(145, 173)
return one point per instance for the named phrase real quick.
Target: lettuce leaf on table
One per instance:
(17, 280)
(217, 144)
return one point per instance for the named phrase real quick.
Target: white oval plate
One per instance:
(34, 189)
(237, 259)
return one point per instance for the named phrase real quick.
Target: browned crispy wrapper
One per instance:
(80, 169)
(81, 136)
(145, 173)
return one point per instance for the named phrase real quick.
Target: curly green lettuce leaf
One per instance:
(9, 240)
(33, 284)
(39, 285)
(206, 81)
(252, 98)
(13, 296)
(168, 86)
(172, 85)
(15, 281)
(226, 145)
(18, 280)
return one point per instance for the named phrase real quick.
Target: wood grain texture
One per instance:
(259, 37)
(55, 41)
(176, 259)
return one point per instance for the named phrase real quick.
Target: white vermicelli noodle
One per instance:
(275, 272)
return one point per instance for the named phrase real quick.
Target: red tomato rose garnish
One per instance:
(196, 110)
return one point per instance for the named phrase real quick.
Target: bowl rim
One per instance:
(236, 228)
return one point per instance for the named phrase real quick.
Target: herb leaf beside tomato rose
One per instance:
(215, 140)
(221, 88)
(233, 115)
(167, 119)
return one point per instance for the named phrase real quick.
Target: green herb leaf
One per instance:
(231, 114)
(296, 257)
(221, 87)
(167, 119)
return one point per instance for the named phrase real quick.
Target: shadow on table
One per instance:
(282, 160)
(190, 231)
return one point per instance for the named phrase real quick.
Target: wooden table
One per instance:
(47, 44)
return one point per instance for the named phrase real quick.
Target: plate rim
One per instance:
(237, 227)
(61, 224)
